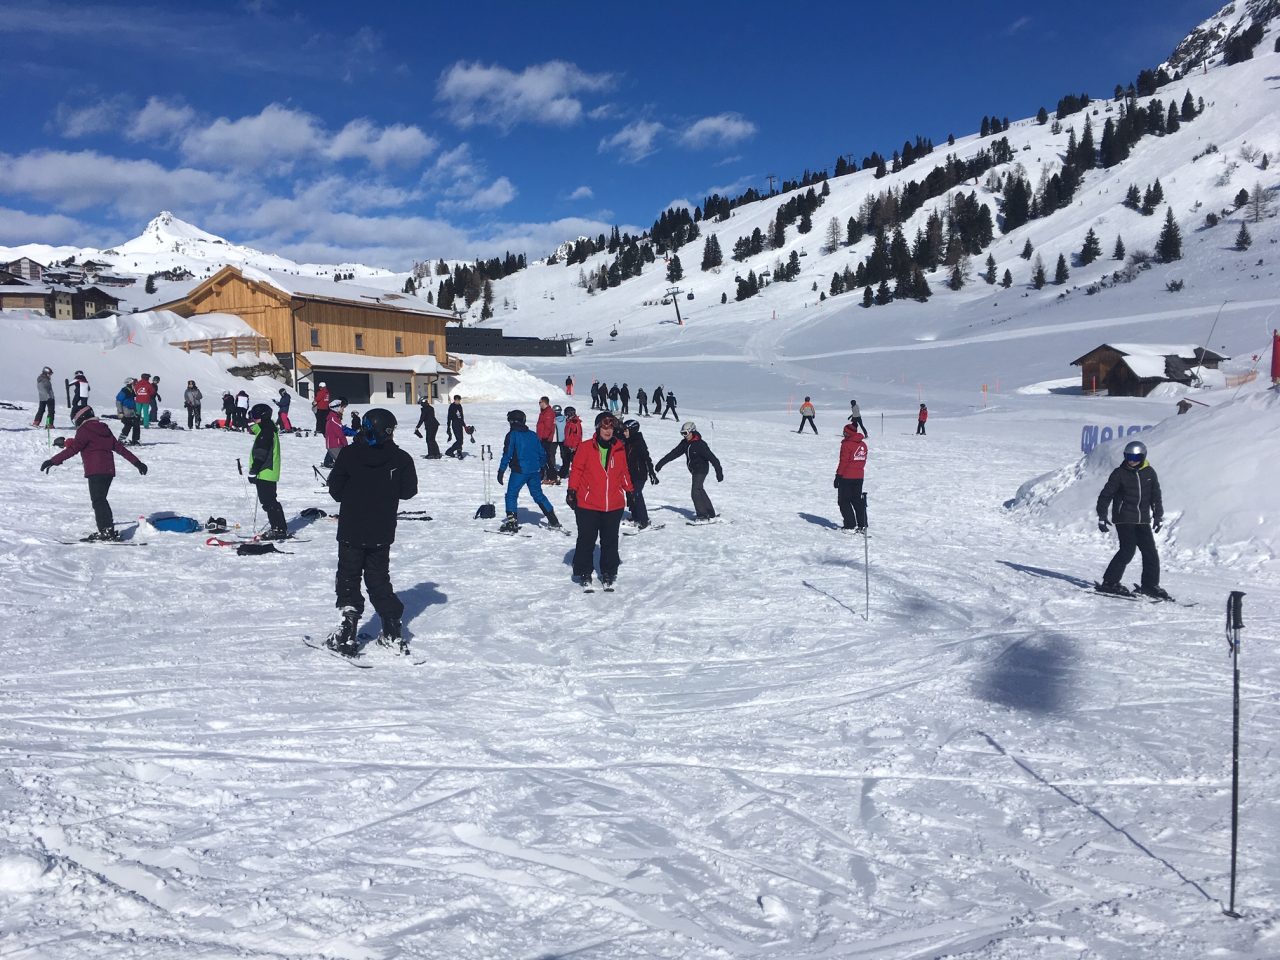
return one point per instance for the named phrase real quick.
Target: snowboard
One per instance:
(334, 653)
(114, 543)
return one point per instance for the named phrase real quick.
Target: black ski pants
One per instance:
(642, 407)
(433, 447)
(862, 427)
(593, 524)
(549, 471)
(1135, 537)
(455, 448)
(193, 416)
(671, 409)
(919, 428)
(636, 504)
(374, 565)
(701, 502)
(270, 505)
(99, 484)
(853, 503)
(809, 421)
(321, 416)
(39, 417)
(132, 427)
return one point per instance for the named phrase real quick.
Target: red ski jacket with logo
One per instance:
(853, 455)
(600, 485)
(573, 432)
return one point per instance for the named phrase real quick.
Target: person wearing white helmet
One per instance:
(699, 459)
(44, 393)
(1132, 495)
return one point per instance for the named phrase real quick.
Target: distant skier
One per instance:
(657, 399)
(615, 400)
(624, 394)
(320, 404)
(155, 400)
(642, 403)
(671, 407)
(595, 394)
(598, 485)
(282, 404)
(428, 420)
(640, 466)
(572, 440)
(79, 392)
(807, 413)
(1132, 493)
(568, 386)
(264, 469)
(455, 427)
(699, 459)
(920, 421)
(546, 431)
(97, 447)
(525, 456)
(228, 410)
(850, 471)
(369, 480)
(44, 393)
(242, 410)
(191, 398)
(855, 417)
(127, 408)
(143, 391)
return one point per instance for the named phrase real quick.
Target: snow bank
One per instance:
(484, 378)
(1215, 475)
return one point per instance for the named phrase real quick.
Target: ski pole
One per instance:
(1235, 623)
(866, 563)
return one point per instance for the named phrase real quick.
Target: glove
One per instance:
(47, 466)
(571, 498)
(653, 478)
(836, 483)
(1155, 527)
(719, 478)
(142, 469)
(417, 433)
(1103, 526)
(499, 476)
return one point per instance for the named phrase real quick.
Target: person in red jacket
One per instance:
(320, 404)
(97, 447)
(572, 440)
(849, 475)
(546, 433)
(924, 415)
(599, 482)
(144, 391)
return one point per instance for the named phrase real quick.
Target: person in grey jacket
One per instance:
(1132, 494)
(855, 417)
(44, 393)
(191, 398)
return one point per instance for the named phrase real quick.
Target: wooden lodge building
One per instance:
(362, 343)
(1135, 369)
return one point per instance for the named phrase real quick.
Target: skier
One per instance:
(369, 480)
(595, 394)
(923, 416)
(335, 432)
(228, 410)
(850, 471)
(855, 417)
(657, 398)
(546, 430)
(242, 410)
(44, 393)
(526, 456)
(625, 396)
(283, 404)
(191, 398)
(1133, 494)
(143, 391)
(598, 485)
(79, 392)
(97, 447)
(671, 407)
(572, 440)
(264, 469)
(320, 404)
(568, 386)
(427, 418)
(456, 427)
(640, 466)
(642, 403)
(699, 458)
(155, 400)
(127, 408)
(807, 413)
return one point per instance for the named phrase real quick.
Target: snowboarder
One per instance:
(624, 394)
(143, 391)
(598, 486)
(335, 432)
(699, 458)
(456, 427)
(79, 392)
(920, 421)
(526, 457)
(320, 404)
(546, 431)
(427, 418)
(97, 447)
(572, 440)
(283, 403)
(642, 403)
(44, 393)
(640, 466)
(369, 480)
(264, 469)
(191, 398)
(1132, 493)
(127, 408)
(671, 406)
(850, 470)
(807, 413)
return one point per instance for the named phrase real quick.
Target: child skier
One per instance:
(79, 392)
(807, 413)
(335, 432)
(97, 447)
(640, 467)
(699, 458)
(849, 475)
(1133, 494)
(127, 408)
(921, 419)
(264, 468)
(524, 454)
(369, 480)
(572, 439)
(283, 405)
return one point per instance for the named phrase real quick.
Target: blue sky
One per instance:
(384, 133)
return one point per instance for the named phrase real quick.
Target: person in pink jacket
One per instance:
(97, 446)
(335, 431)
(850, 472)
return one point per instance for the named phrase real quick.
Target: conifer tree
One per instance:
(1060, 274)
(1242, 198)
(868, 298)
(990, 275)
(883, 294)
(852, 231)
(806, 222)
(837, 283)
(1188, 108)
(1243, 239)
(674, 269)
(1037, 274)
(1118, 252)
(778, 232)
(1172, 124)
(1132, 198)
(1042, 116)
(1169, 246)
(1091, 250)
(833, 235)
(151, 283)
(711, 255)
(1007, 280)
(956, 280)
(793, 265)
(1027, 250)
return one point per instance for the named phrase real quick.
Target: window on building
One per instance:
(391, 390)
(431, 347)
(359, 341)
(315, 336)
(399, 345)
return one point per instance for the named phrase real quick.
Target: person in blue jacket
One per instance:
(127, 408)
(524, 454)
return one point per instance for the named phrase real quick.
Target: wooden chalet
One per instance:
(26, 268)
(1134, 370)
(361, 342)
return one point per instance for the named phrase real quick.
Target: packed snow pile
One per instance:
(486, 379)
(1215, 467)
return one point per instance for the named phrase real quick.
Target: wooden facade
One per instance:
(1105, 368)
(304, 321)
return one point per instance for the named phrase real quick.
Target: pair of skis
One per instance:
(358, 660)
(1137, 596)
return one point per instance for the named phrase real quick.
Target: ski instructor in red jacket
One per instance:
(849, 474)
(599, 482)
(546, 432)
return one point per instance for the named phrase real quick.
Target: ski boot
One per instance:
(1115, 589)
(345, 639)
(510, 525)
(392, 636)
(1155, 593)
(587, 583)
(552, 522)
(275, 533)
(104, 533)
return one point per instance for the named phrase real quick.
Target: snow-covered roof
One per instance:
(328, 289)
(419, 363)
(1185, 350)
(19, 289)
(1146, 366)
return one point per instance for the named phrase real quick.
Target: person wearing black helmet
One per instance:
(427, 418)
(456, 427)
(525, 456)
(641, 467)
(369, 480)
(79, 392)
(1132, 493)
(699, 459)
(264, 468)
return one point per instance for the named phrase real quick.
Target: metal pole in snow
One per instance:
(1235, 623)
(866, 564)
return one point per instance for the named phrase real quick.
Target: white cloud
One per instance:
(497, 194)
(1016, 26)
(85, 119)
(634, 142)
(159, 120)
(582, 193)
(680, 203)
(545, 93)
(732, 189)
(273, 138)
(724, 129)
(396, 145)
(19, 227)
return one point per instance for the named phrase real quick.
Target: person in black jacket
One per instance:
(369, 479)
(456, 427)
(699, 458)
(642, 403)
(641, 467)
(427, 418)
(624, 394)
(657, 400)
(595, 394)
(1132, 493)
(671, 407)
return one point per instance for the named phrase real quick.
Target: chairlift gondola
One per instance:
(588, 342)
(689, 295)
(613, 332)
